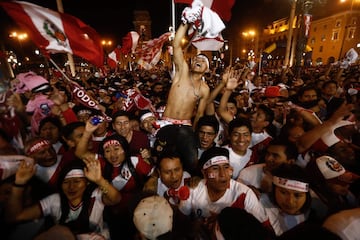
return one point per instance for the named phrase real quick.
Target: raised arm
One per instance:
(82, 147)
(179, 59)
(14, 210)
(232, 80)
(311, 136)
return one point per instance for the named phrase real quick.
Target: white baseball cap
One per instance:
(153, 216)
(329, 167)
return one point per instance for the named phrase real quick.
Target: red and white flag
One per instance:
(55, 32)
(221, 7)
(149, 54)
(135, 100)
(129, 42)
(114, 57)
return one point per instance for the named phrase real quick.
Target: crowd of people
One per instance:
(193, 152)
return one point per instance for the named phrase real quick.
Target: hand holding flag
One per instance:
(221, 7)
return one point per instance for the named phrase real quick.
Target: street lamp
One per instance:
(252, 45)
(20, 37)
(106, 44)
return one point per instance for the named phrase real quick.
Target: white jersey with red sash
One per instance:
(124, 180)
(237, 195)
(50, 174)
(51, 206)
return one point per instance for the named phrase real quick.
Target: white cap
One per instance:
(329, 167)
(153, 217)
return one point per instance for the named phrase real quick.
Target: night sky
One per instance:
(112, 21)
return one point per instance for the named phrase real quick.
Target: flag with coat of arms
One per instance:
(55, 32)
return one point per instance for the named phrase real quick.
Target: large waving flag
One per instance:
(130, 42)
(114, 57)
(149, 54)
(221, 7)
(55, 32)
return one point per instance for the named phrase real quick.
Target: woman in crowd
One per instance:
(288, 204)
(125, 172)
(79, 204)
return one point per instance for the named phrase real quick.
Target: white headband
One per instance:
(111, 142)
(291, 184)
(146, 115)
(75, 173)
(215, 161)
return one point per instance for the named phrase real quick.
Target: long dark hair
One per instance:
(108, 169)
(81, 224)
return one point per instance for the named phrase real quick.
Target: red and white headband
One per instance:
(215, 161)
(37, 146)
(291, 184)
(146, 115)
(111, 142)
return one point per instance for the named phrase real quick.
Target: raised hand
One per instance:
(234, 79)
(93, 169)
(25, 171)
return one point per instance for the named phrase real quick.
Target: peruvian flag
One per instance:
(149, 55)
(221, 7)
(114, 57)
(55, 32)
(129, 42)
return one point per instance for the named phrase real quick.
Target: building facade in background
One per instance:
(329, 39)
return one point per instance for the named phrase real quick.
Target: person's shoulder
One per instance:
(253, 168)
(139, 134)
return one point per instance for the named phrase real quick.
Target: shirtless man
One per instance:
(188, 92)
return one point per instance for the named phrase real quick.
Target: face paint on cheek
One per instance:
(211, 175)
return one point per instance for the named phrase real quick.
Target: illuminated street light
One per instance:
(107, 43)
(250, 33)
(252, 44)
(19, 36)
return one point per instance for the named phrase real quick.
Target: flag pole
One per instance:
(60, 70)
(102, 109)
(173, 23)
(69, 55)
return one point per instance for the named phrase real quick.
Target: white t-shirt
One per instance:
(51, 206)
(237, 195)
(237, 161)
(252, 175)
